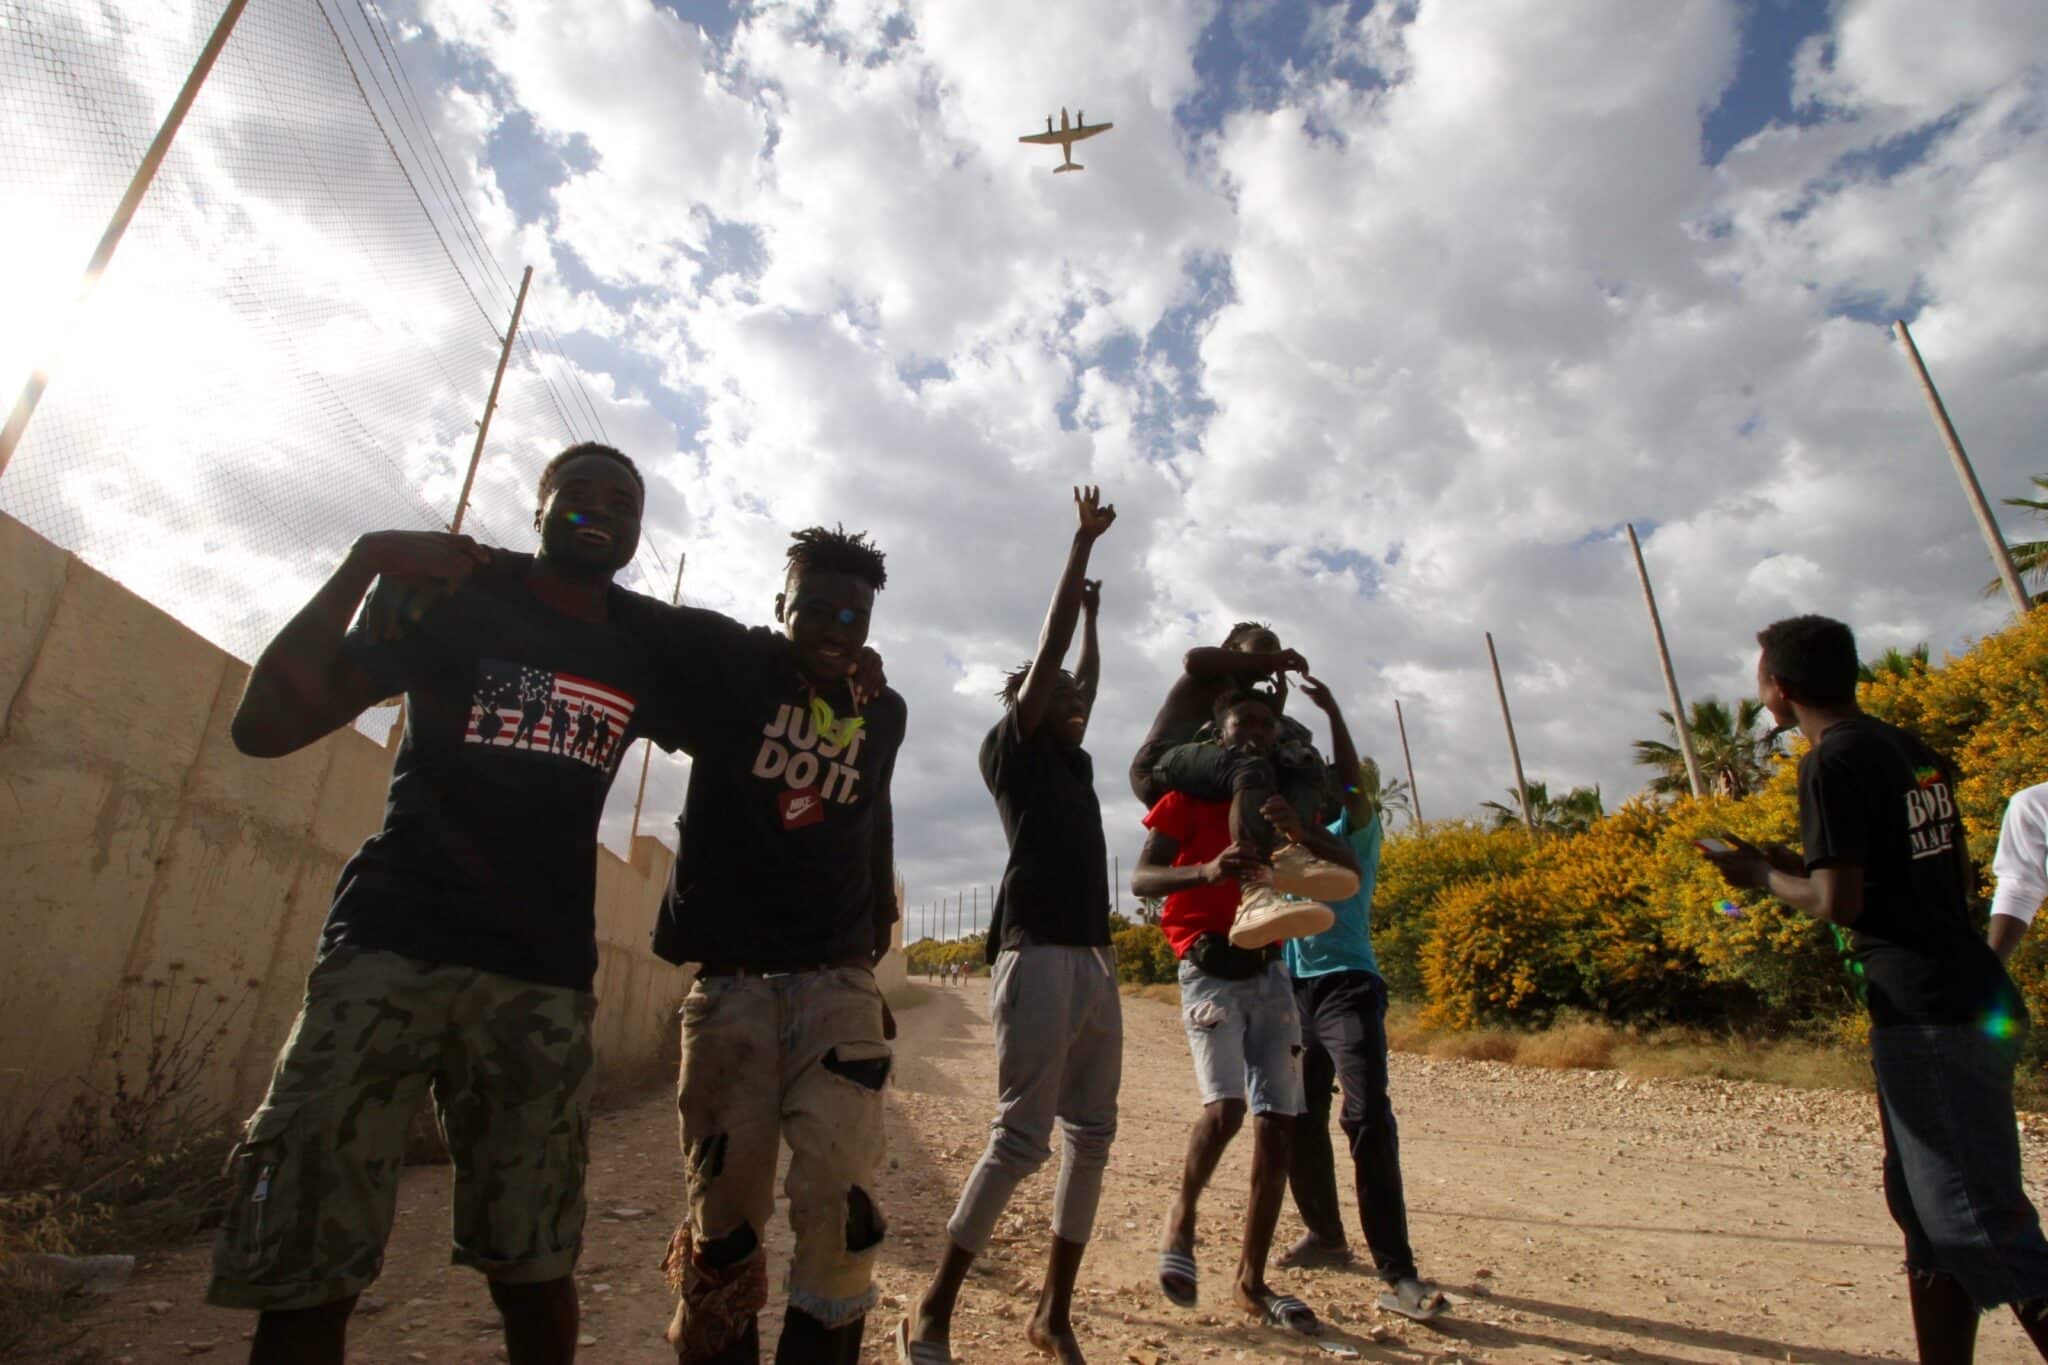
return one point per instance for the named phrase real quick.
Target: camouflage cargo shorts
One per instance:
(315, 1177)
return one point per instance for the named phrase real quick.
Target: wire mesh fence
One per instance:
(295, 340)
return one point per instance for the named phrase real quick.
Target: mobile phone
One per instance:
(1713, 846)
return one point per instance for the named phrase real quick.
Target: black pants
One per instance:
(1344, 1041)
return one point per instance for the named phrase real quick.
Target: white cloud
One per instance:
(1433, 337)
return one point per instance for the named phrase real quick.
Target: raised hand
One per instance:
(1318, 692)
(1291, 662)
(1096, 515)
(1091, 595)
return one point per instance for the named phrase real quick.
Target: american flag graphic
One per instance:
(516, 706)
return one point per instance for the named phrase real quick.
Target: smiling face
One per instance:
(825, 614)
(1067, 713)
(590, 520)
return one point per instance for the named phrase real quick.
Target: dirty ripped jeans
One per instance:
(799, 1055)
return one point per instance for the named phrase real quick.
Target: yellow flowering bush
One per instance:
(1416, 867)
(1628, 920)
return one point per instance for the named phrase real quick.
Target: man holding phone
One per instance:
(1883, 858)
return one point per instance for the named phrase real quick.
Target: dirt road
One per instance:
(1574, 1215)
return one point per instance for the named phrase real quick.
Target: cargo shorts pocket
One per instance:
(864, 1064)
(256, 1227)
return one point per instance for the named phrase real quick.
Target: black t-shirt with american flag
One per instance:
(517, 718)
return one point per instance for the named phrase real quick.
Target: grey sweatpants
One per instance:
(1059, 1054)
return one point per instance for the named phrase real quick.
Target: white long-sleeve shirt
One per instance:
(2021, 866)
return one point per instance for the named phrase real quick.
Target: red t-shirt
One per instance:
(1202, 830)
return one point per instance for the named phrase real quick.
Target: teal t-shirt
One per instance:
(1345, 946)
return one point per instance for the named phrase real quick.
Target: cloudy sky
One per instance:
(1375, 321)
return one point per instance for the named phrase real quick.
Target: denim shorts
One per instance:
(1245, 1037)
(1952, 1159)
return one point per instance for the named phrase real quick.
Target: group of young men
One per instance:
(459, 953)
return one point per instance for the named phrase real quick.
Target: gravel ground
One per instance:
(1571, 1215)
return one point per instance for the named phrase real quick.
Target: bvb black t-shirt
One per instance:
(516, 719)
(786, 838)
(1873, 796)
(1055, 887)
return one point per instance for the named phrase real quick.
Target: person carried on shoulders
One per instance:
(1285, 884)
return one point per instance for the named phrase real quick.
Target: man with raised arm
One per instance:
(1183, 753)
(458, 955)
(1883, 858)
(1058, 1020)
(784, 892)
(1237, 1008)
(1343, 1003)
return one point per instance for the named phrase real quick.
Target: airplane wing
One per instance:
(1052, 139)
(1090, 130)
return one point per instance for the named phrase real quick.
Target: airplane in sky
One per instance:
(1065, 137)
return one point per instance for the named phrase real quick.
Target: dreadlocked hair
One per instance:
(1244, 628)
(553, 471)
(1013, 682)
(838, 551)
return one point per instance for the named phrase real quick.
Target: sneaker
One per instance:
(1264, 916)
(1298, 872)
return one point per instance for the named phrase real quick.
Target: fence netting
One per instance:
(296, 337)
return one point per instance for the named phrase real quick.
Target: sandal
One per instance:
(1286, 1311)
(910, 1352)
(1414, 1300)
(1176, 1268)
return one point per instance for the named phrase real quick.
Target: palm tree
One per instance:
(1570, 813)
(1895, 663)
(1383, 796)
(2030, 557)
(1734, 749)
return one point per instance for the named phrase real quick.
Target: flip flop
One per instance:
(1414, 1300)
(910, 1352)
(1286, 1311)
(1177, 1267)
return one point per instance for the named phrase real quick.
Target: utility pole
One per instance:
(117, 226)
(483, 427)
(1414, 800)
(647, 753)
(1678, 717)
(1993, 539)
(1514, 750)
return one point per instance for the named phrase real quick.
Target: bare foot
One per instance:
(1057, 1342)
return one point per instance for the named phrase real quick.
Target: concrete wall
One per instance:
(153, 880)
